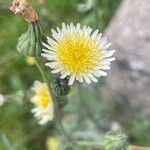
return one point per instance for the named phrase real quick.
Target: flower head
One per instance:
(52, 143)
(30, 60)
(2, 99)
(78, 53)
(43, 103)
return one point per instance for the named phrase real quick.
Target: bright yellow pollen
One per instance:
(78, 53)
(44, 98)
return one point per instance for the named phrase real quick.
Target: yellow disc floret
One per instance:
(78, 53)
(44, 97)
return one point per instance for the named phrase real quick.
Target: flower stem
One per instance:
(57, 117)
(59, 123)
(42, 71)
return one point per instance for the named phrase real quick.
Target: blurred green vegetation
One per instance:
(19, 130)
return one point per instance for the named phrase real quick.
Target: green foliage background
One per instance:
(18, 128)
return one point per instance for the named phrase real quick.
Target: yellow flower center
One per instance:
(52, 143)
(30, 60)
(44, 98)
(78, 53)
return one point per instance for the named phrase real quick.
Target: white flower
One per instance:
(2, 99)
(43, 103)
(78, 53)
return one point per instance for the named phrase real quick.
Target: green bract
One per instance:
(30, 43)
(61, 87)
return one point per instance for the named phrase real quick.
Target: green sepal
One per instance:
(61, 87)
(114, 140)
(30, 43)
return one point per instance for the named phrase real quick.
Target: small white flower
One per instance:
(78, 53)
(2, 99)
(43, 103)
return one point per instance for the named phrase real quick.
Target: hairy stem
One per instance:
(42, 71)
(57, 117)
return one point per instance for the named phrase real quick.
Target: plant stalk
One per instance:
(57, 117)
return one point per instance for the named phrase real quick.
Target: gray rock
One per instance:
(129, 33)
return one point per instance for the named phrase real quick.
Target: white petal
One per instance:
(105, 63)
(52, 65)
(56, 70)
(48, 51)
(71, 80)
(51, 41)
(106, 67)
(64, 71)
(34, 110)
(108, 53)
(71, 27)
(50, 48)
(80, 79)
(44, 120)
(55, 35)
(107, 45)
(89, 30)
(102, 73)
(110, 59)
(99, 73)
(87, 79)
(92, 77)
(48, 56)
(54, 32)
(99, 36)
(64, 28)
(96, 74)
(46, 45)
(63, 76)
(78, 28)
(38, 114)
(58, 30)
(104, 41)
(94, 34)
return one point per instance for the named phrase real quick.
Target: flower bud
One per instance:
(30, 43)
(115, 140)
(61, 87)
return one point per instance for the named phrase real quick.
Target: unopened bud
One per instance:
(30, 43)
(61, 86)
